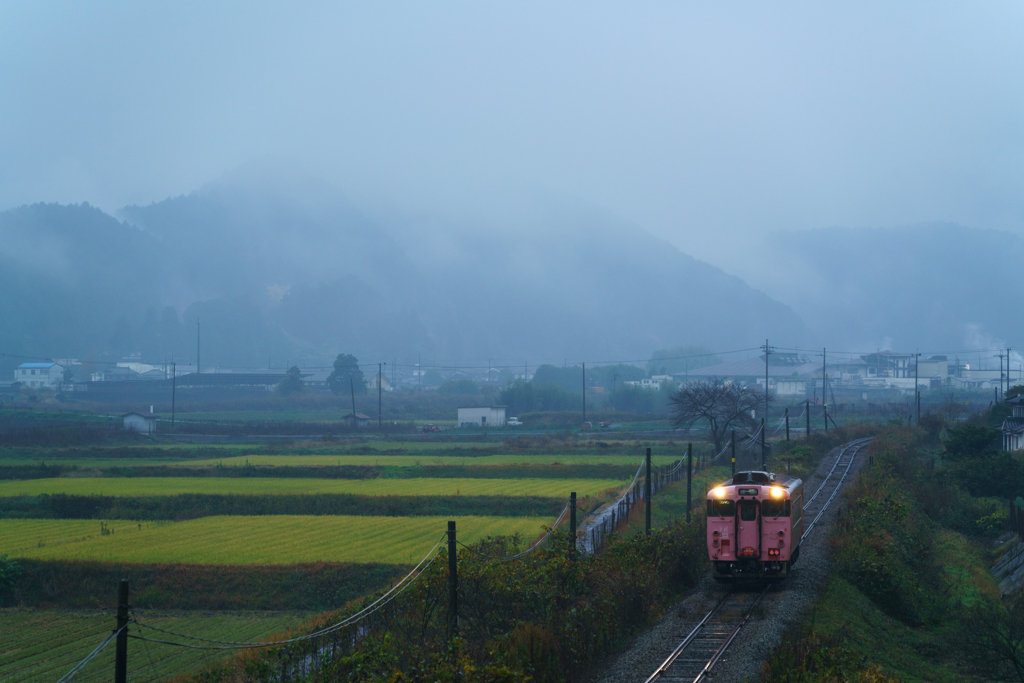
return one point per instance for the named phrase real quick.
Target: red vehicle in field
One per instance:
(754, 524)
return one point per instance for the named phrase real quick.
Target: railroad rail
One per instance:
(703, 647)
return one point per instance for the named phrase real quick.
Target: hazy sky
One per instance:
(702, 122)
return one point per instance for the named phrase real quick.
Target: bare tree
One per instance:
(722, 405)
(951, 409)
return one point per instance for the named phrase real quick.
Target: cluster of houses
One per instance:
(797, 375)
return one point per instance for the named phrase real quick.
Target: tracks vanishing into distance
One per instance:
(705, 645)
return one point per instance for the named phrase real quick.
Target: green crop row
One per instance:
(251, 540)
(427, 460)
(166, 486)
(45, 645)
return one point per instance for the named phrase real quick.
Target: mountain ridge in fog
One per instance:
(935, 286)
(296, 272)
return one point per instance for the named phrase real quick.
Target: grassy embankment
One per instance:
(911, 598)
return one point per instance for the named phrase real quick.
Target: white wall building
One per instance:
(40, 375)
(482, 417)
(140, 422)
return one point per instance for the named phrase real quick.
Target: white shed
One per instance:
(140, 422)
(482, 417)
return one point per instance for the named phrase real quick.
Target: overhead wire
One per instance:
(386, 598)
(92, 655)
(509, 558)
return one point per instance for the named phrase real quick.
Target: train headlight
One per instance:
(777, 492)
(718, 492)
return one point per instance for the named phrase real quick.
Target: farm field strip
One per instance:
(43, 645)
(253, 540)
(167, 486)
(425, 460)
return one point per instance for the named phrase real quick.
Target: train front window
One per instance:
(748, 511)
(721, 508)
(775, 508)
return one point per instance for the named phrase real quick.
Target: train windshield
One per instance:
(721, 508)
(748, 511)
(775, 508)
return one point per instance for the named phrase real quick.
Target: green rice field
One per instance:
(43, 645)
(426, 460)
(167, 486)
(252, 540)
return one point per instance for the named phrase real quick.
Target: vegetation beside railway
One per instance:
(912, 598)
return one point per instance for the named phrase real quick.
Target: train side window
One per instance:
(748, 511)
(775, 508)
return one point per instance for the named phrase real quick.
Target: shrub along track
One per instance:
(707, 622)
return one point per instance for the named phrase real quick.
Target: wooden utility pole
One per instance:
(121, 644)
(453, 583)
(689, 478)
(647, 493)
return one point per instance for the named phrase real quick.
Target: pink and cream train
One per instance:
(754, 524)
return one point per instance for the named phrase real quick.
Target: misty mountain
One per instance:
(286, 270)
(935, 286)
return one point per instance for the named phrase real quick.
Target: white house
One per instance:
(482, 417)
(48, 375)
(140, 422)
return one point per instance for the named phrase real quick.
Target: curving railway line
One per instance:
(704, 646)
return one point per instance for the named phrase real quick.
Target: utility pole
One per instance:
(174, 387)
(380, 392)
(453, 584)
(824, 380)
(807, 414)
(825, 413)
(689, 478)
(767, 352)
(764, 453)
(584, 392)
(198, 368)
(733, 439)
(917, 355)
(121, 644)
(572, 524)
(352, 388)
(647, 492)
(787, 424)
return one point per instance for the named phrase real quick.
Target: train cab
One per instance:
(754, 525)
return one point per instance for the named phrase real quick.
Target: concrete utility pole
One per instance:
(764, 453)
(689, 479)
(174, 387)
(824, 380)
(647, 493)
(352, 388)
(917, 356)
(733, 440)
(584, 392)
(807, 414)
(767, 352)
(198, 367)
(380, 392)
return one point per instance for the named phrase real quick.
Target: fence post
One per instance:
(648, 494)
(689, 478)
(453, 584)
(121, 645)
(572, 524)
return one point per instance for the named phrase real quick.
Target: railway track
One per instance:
(704, 646)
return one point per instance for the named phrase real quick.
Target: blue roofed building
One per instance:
(48, 375)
